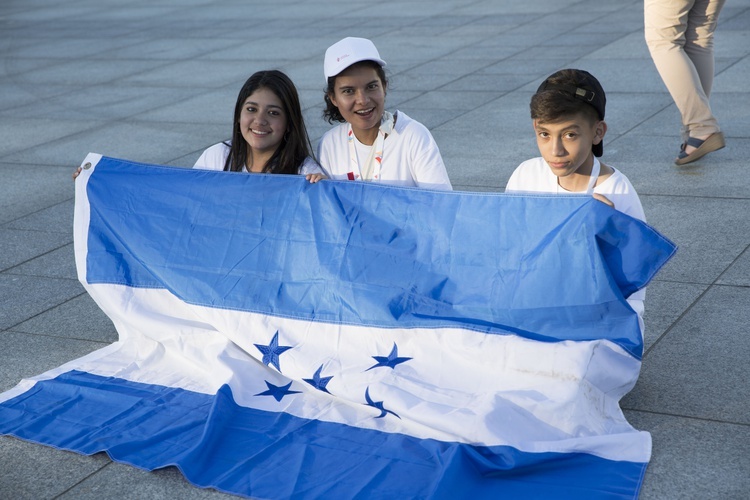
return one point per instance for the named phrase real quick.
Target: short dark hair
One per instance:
(294, 148)
(332, 113)
(569, 92)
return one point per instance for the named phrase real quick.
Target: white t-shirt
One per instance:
(410, 155)
(215, 157)
(535, 176)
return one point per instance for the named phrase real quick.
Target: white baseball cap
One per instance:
(348, 51)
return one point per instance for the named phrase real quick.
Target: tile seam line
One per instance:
(690, 307)
(82, 480)
(491, 64)
(8, 329)
(689, 417)
(59, 337)
(66, 200)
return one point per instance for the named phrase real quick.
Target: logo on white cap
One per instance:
(348, 51)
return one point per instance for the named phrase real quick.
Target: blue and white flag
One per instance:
(282, 339)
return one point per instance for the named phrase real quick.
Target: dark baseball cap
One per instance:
(588, 90)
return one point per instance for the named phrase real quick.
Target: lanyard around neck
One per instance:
(595, 169)
(370, 170)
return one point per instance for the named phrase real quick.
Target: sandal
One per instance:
(702, 148)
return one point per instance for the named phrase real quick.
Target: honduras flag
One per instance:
(280, 339)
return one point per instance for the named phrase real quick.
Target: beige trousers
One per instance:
(680, 37)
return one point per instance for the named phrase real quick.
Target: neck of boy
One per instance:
(366, 136)
(578, 181)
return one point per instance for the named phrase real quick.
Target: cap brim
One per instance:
(340, 69)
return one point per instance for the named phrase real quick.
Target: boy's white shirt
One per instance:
(535, 176)
(410, 156)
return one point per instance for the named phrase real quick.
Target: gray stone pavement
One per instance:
(155, 81)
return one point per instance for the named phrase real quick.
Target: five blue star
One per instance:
(277, 391)
(272, 351)
(378, 405)
(317, 381)
(390, 361)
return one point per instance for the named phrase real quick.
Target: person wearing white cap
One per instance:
(371, 144)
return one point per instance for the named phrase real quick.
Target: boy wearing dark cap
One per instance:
(567, 113)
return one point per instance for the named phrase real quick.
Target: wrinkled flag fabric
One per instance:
(280, 339)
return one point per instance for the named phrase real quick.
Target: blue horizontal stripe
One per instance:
(244, 451)
(548, 268)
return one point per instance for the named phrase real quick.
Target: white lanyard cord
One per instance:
(371, 167)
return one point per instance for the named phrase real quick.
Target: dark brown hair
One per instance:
(295, 146)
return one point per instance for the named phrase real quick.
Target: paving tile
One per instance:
(452, 102)
(14, 95)
(506, 117)
(487, 53)
(704, 254)
(191, 73)
(31, 189)
(59, 263)
(733, 79)
(649, 164)
(421, 81)
(57, 218)
(734, 17)
(665, 302)
(273, 50)
(79, 318)
(489, 8)
(739, 272)
(628, 46)
(626, 111)
(307, 75)
(734, 120)
(623, 20)
(70, 48)
(23, 297)
(165, 47)
(32, 471)
(24, 355)
(21, 246)
(38, 15)
(479, 81)
(699, 368)
(147, 142)
(534, 68)
(694, 459)
(479, 171)
(215, 107)
(86, 72)
(123, 481)
(23, 134)
(104, 102)
(565, 54)
(187, 160)
(424, 48)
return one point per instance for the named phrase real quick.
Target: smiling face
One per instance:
(359, 94)
(263, 123)
(566, 147)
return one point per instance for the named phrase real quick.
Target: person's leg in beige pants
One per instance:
(679, 34)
